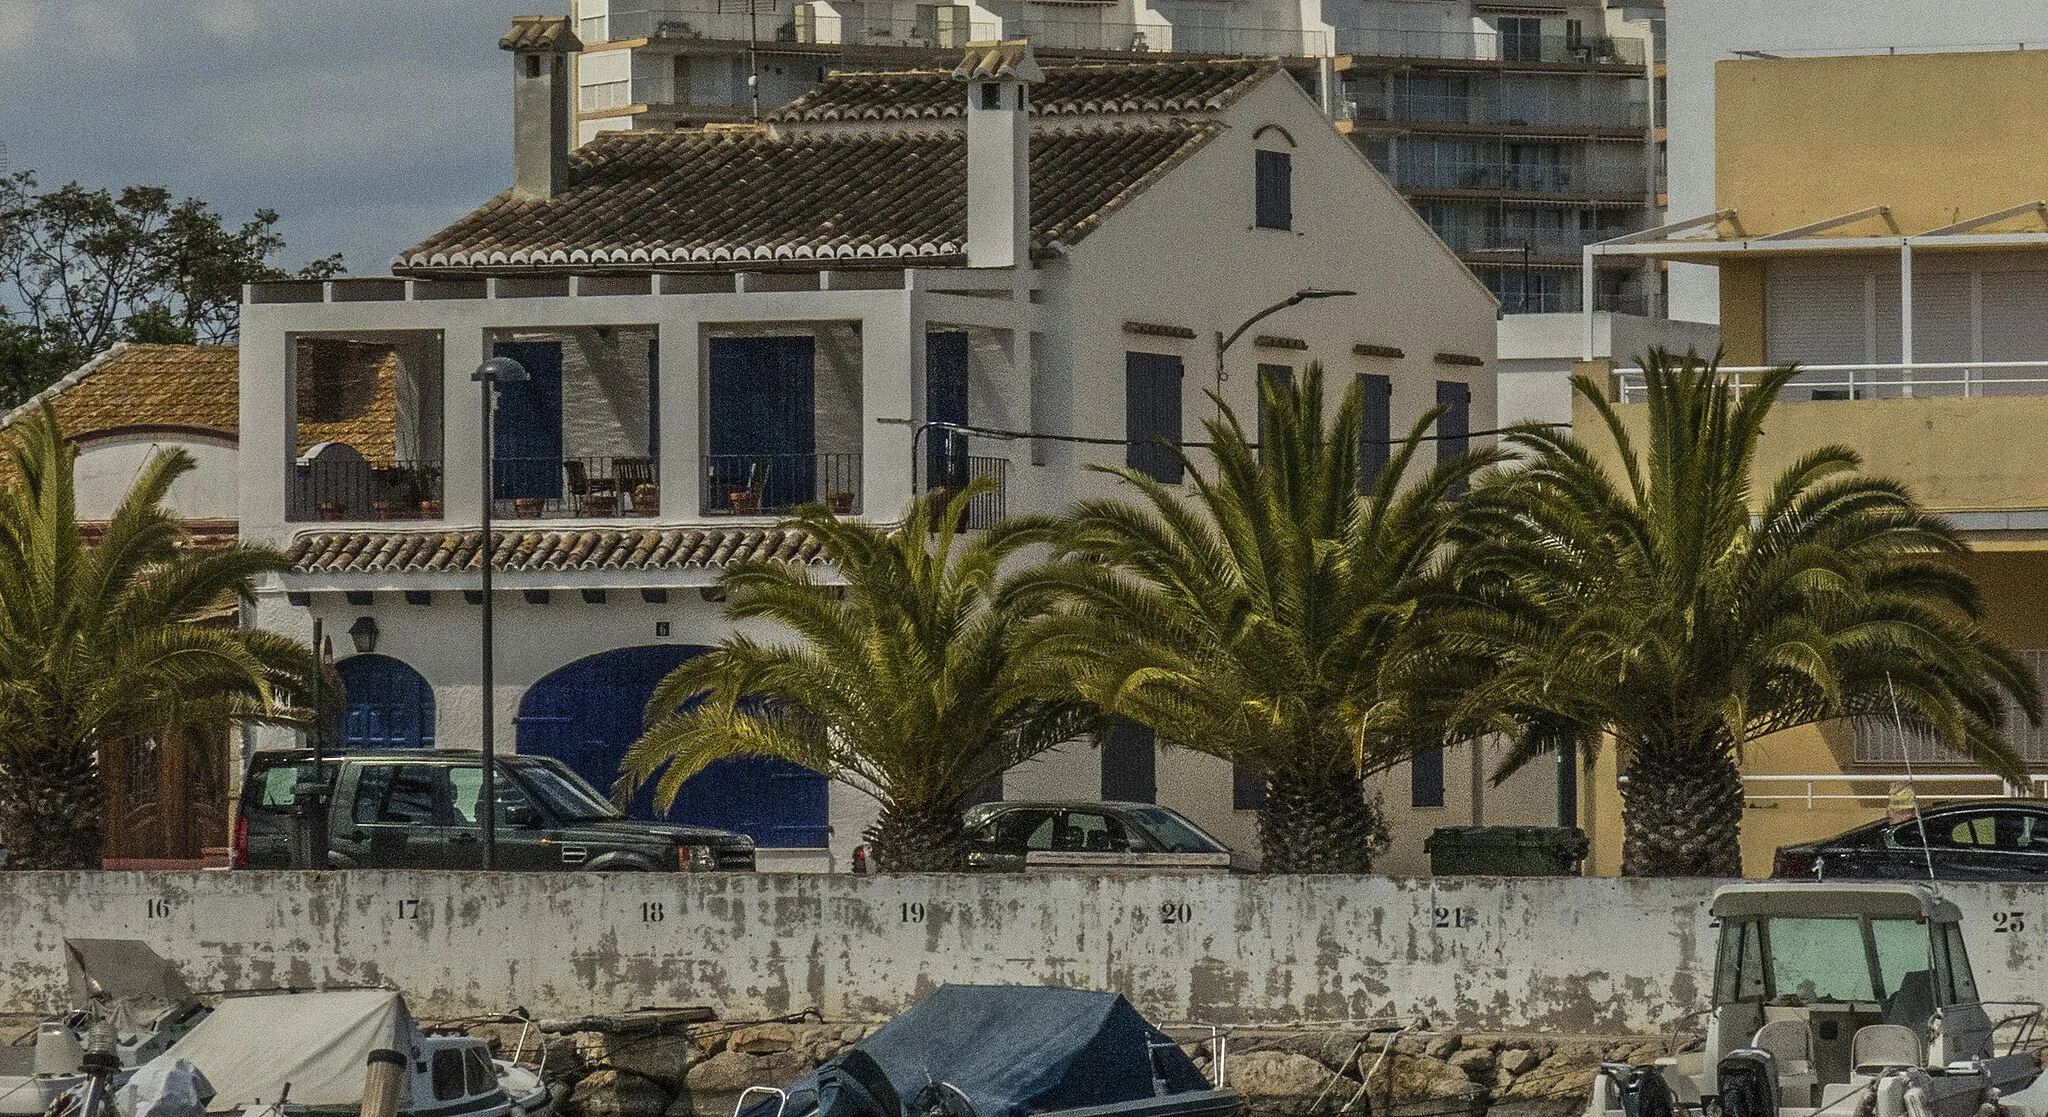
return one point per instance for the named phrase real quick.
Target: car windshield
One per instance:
(1174, 833)
(565, 792)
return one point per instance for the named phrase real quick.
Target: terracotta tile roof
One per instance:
(728, 199)
(200, 535)
(566, 549)
(190, 387)
(1008, 59)
(349, 393)
(542, 33)
(1079, 89)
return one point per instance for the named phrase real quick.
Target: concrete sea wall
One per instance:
(1585, 956)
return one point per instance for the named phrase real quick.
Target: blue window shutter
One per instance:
(1247, 789)
(1130, 763)
(526, 427)
(1426, 779)
(1275, 190)
(1454, 427)
(945, 401)
(1375, 428)
(1152, 387)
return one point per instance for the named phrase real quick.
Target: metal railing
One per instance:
(1500, 174)
(771, 484)
(1386, 42)
(351, 489)
(1505, 242)
(575, 488)
(1495, 100)
(725, 20)
(1825, 788)
(1919, 380)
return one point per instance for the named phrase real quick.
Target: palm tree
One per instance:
(911, 684)
(1682, 613)
(97, 643)
(1278, 619)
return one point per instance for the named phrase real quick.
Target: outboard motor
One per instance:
(1644, 1093)
(853, 1085)
(1749, 1084)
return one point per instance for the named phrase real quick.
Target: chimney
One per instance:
(998, 152)
(540, 46)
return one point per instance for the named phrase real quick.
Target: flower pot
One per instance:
(745, 503)
(430, 510)
(331, 510)
(839, 504)
(646, 500)
(391, 510)
(528, 507)
(601, 504)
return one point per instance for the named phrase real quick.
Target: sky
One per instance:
(368, 124)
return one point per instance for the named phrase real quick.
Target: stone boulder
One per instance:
(661, 1056)
(1519, 1060)
(1411, 1077)
(612, 1093)
(1278, 1075)
(763, 1039)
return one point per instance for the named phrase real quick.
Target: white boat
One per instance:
(1851, 1000)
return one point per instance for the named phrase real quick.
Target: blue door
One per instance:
(527, 433)
(763, 418)
(588, 713)
(945, 401)
(390, 705)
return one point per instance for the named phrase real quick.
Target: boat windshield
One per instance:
(1821, 959)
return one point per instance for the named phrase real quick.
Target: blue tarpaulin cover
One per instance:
(1019, 1050)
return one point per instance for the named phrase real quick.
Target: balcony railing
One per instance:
(1504, 243)
(1535, 178)
(1490, 46)
(325, 488)
(1873, 789)
(729, 20)
(576, 488)
(1920, 380)
(771, 484)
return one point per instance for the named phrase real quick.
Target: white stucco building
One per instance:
(722, 324)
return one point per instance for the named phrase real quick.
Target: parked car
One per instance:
(1077, 834)
(414, 809)
(1993, 839)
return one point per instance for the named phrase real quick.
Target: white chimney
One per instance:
(540, 46)
(998, 152)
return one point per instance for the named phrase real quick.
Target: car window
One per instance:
(274, 785)
(1023, 830)
(2023, 830)
(565, 791)
(1971, 831)
(448, 1074)
(397, 793)
(483, 1078)
(466, 784)
(1174, 833)
(1089, 832)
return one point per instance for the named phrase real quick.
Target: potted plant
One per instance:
(332, 510)
(430, 509)
(392, 509)
(528, 507)
(601, 504)
(839, 503)
(646, 500)
(745, 502)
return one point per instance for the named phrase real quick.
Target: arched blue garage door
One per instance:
(390, 705)
(588, 713)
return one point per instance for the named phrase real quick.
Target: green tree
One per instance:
(912, 685)
(81, 269)
(1275, 617)
(1680, 613)
(97, 643)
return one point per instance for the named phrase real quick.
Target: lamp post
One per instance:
(488, 376)
(1305, 294)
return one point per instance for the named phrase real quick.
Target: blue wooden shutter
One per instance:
(526, 433)
(1426, 779)
(1454, 428)
(1375, 429)
(1152, 414)
(763, 413)
(945, 401)
(1275, 190)
(1247, 789)
(1130, 763)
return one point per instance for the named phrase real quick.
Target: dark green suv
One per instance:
(413, 809)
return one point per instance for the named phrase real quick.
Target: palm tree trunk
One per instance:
(920, 838)
(1317, 821)
(52, 810)
(1681, 808)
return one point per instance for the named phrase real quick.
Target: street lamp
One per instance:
(488, 376)
(1301, 296)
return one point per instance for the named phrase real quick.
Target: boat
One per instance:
(1851, 1000)
(284, 1054)
(1004, 1051)
(136, 999)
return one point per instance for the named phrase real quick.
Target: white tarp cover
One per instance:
(165, 1088)
(319, 1042)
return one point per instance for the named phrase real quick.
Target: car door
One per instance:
(1963, 844)
(1004, 840)
(1098, 832)
(518, 834)
(394, 819)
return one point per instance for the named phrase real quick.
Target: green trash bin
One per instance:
(1506, 851)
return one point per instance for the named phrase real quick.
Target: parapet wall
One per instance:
(1585, 956)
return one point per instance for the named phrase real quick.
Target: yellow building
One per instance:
(1881, 223)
